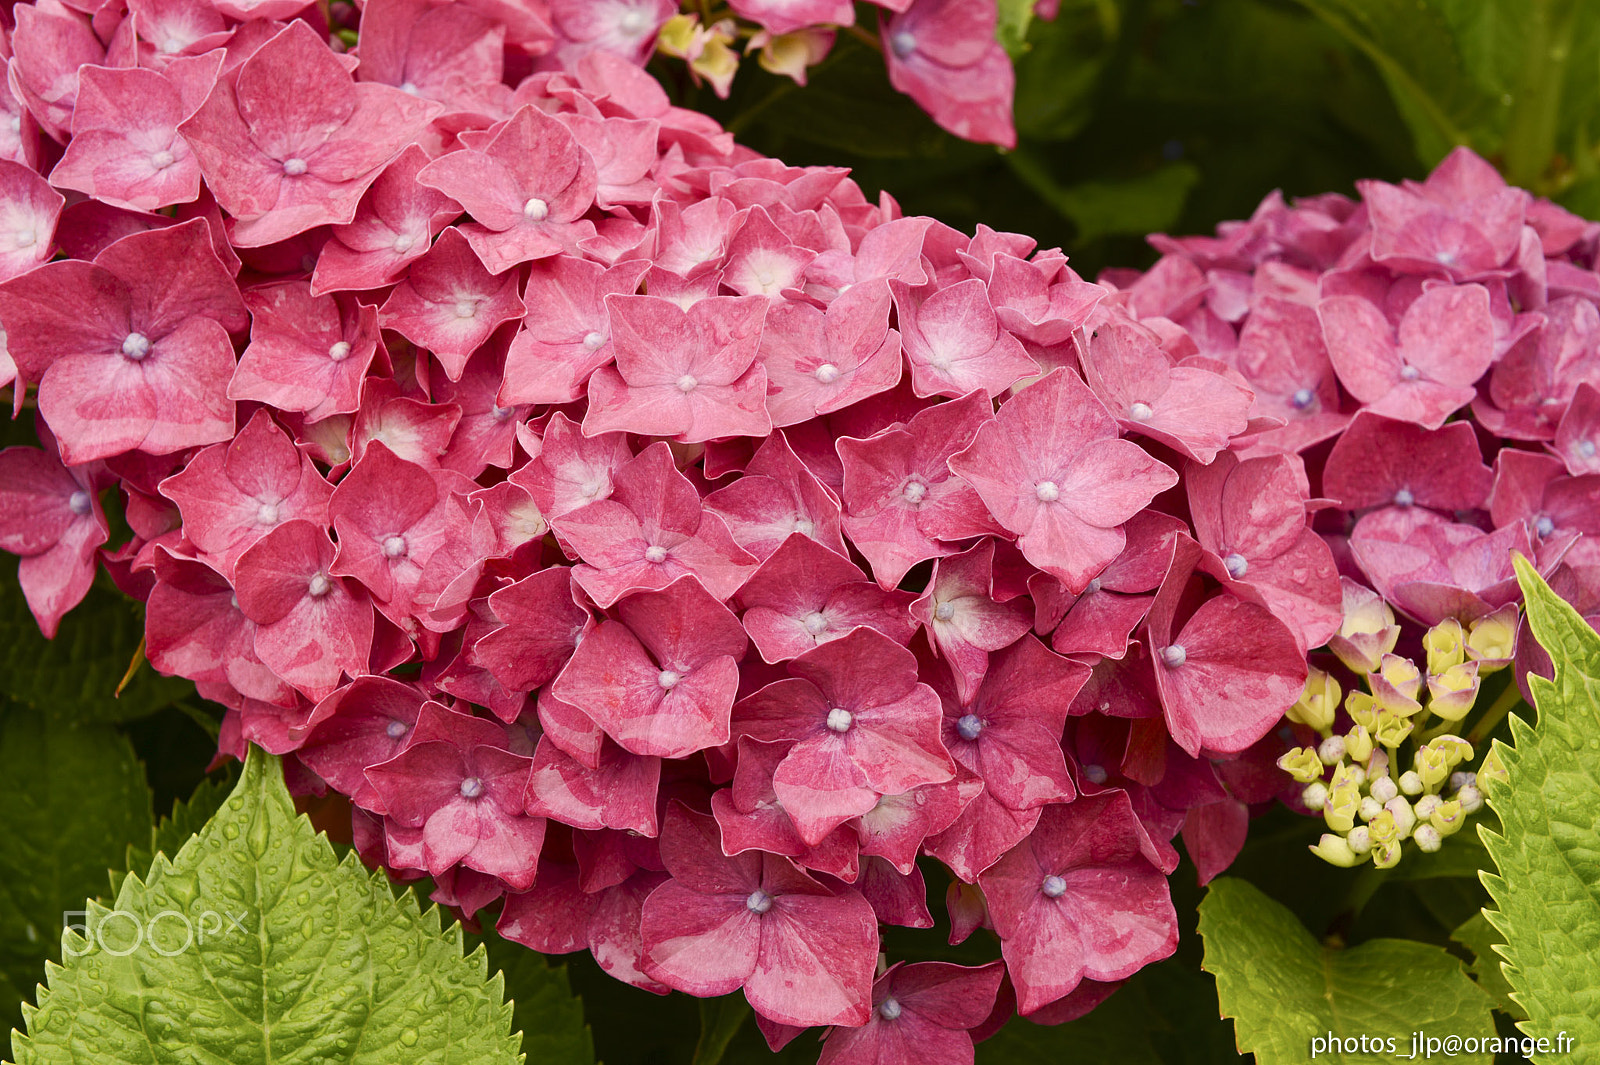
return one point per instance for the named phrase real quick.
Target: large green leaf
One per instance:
(1479, 936)
(1415, 47)
(255, 944)
(1282, 988)
(72, 797)
(1548, 850)
(76, 674)
(188, 817)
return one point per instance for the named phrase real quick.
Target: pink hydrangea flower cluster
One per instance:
(663, 548)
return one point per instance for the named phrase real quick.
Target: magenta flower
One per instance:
(805, 595)
(777, 496)
(49, 45)
(29, 209)
(366, 722)
(902, 503)
(651, 531)
(1379, 461)
(1421, 371)
(690, 375)
(130, 351)
(312, 627)
(1186, 407)
(449, 302)
(661, 679)
(954, 342)
(1463, 218)
(1102, 619)
(1078, 900)
(1250, 517)
(625, 28)
(921, 1013)
(943, 54)
(233, 494)
(307, 353)
(818, 361)
(862, 725)
(394, 222)
(803, 953)
(1531, 385)
(527, 190)
(963, 620)
(571, 470)
(288, 141)
(51, 516)
(541, 624)
(619, 792)
(451, 54)
(566, 333)
(456, 781)
(1229, 674)
(1433, 568)
(1284, 361)
(894, 830)
(1578, 437)
(1052, 470)
(194, 628)
(1008, 732)
(125, 148)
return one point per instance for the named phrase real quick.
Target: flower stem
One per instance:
(1497, 713)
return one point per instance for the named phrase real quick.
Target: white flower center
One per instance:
(395, 729)
(903, 43)
(759, 901)
(1047, 491)
(339, 351)
(1140, 412)
(655, 553)
(815, 622)
(944, 611)
(1404, 498)
(162, 159)
(594, 341)
(687, 383)
(500, 413)
(1302, 399)
(267, 514)
(1237, 565)
(1092, 587)
(914, 492)
(968, 726)
(409, 88)
(78, 502)
(319, 586)
(1174, 655)
(403, 243)
(840, 719)
(394, 546)
(889, 1009)
(1586, 448)
(136, 346)
(294, 167)
(805, 526)
(471, 788)
(827, 373)
(1053, 887)
(466, 308)
(1409, 373)
(1544, 526)
(1094, 774)
(24, 238)
(590, 489)
(536, 210)
(668, 679)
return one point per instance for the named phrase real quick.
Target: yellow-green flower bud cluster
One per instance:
(1398, 772)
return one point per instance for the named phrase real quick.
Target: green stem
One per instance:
(1497, 713)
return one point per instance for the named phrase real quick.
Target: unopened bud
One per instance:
(1369, 808)
(1357, 743)
(1301, 763)
(1461, 778)
(1452, 692)
(1392, 731)
(1335, 851)
(1397, 685)
(1492, 640)
(1411, 784)
(1367, 631)
(1360, 839)
(1383, 789)
(1432, 766)
(1446, 645)
(1428, 838)
(1426, 805)
(1315, 796)
(1383, 828)
(1470, 798)
(1318, 701)
(1331, 751)
(1448, 817)
(1362, 708)
(1405, 818)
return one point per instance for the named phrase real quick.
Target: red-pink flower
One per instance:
(1052, 469)
(963, 620)
(802, 952)
(29, 209)
(805, 595)
(819, 361)
(307, 353)
(443, 52)
(1463, 218)
(51, 516)
(449, 302)
(566, 333)
(943, 54)
(394, 222)
(954, 342)
(922, 1013)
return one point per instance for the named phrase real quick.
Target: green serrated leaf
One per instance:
(71, 799)
(76, 674)
(1415, 47)
(548, 1014)
(1282, 988)
(255, 945)
(1479, 936)
(1548, 849)
(188, 817)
